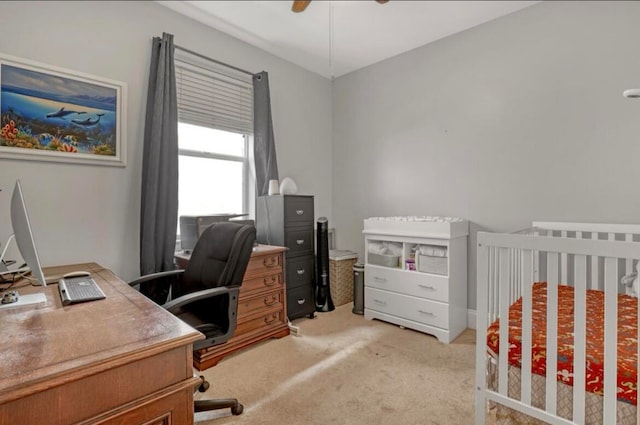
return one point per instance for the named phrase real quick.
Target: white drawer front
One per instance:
(408, 282)
(417, 309)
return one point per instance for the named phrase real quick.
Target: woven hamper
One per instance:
(341, 276)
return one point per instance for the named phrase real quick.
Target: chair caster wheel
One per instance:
(237, 409)
(204, 386)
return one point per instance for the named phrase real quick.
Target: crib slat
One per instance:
(527, 279)
(489, 277)
(481, 335)
(564, 278)
(495, 291)
(517, 259)
(594, 266)
(610, 339)
(552, 332)
(503, 286)
(580, 335)
(628, 262)
(512, 281)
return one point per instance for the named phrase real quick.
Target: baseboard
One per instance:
(471, 319)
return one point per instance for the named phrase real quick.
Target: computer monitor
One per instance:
(23, 235)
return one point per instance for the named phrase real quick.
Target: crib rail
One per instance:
(585, 256)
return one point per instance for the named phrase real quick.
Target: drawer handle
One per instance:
(270, 262)
(380, 302)
(300, 241)
(301, 301)
(431, 288)
(270, 282)
(428, 313)
(379, 279)
(301, 271)
(271, 301)
(273, 318)
(299, 212)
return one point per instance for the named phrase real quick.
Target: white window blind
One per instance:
(212, 99)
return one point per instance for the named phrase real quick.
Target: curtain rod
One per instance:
(213, 60)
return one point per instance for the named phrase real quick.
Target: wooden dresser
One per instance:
(262, 310)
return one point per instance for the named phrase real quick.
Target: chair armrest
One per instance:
(154, 276)
(174, 305)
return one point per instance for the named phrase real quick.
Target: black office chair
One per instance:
(205, 293)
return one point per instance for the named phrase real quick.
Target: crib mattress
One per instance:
(627, 339)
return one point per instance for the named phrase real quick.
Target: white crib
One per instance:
(582, 265)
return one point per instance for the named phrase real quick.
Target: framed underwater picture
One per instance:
(54, 114)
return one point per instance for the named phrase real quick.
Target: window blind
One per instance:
(209, 98)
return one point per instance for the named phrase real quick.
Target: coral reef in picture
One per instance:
(57, 114)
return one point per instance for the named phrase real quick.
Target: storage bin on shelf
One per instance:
(341, 275)
(384, 253)
(432, 259)
(386, 260)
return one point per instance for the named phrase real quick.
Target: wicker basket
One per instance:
(341, 276)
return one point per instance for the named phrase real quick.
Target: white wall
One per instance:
(91, 213)
(516, 120)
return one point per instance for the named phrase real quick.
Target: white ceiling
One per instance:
(333, 38)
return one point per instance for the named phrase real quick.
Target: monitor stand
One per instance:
(26, 300)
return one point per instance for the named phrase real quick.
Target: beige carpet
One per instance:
(343, 369)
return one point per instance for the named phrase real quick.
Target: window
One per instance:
(215, 124)
(213, 170)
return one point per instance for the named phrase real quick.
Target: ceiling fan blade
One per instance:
(300, 5)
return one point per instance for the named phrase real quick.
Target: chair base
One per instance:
(224, 403)
(204, 386)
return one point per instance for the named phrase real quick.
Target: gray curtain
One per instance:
(264, 148)
(159, 203)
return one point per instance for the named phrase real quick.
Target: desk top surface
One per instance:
(47, 340)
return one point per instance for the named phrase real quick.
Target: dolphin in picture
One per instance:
(88, 122)
(61, 113)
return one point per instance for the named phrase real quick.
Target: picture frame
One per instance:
(48, 113)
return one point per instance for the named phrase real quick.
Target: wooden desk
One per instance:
(121, 360)
(262, 305)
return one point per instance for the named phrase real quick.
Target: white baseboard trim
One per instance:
(471, 319)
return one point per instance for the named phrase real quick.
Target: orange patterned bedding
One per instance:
(627, 339)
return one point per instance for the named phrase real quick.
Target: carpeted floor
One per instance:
(343, 369)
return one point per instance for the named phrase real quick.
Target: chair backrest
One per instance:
(220, 257)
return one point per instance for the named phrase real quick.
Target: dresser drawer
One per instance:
(298, 209)
(408, 282)
(264, 301)
(271, 318)
(419, 310)
(270, 281)
(299, 241)
(300, 301)
(299, 271)
(263, 265)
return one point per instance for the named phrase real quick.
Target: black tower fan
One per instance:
(323, 289)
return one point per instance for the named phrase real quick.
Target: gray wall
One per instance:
(91, 213)
(516, 120)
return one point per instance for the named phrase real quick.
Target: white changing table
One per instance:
(423, 299)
